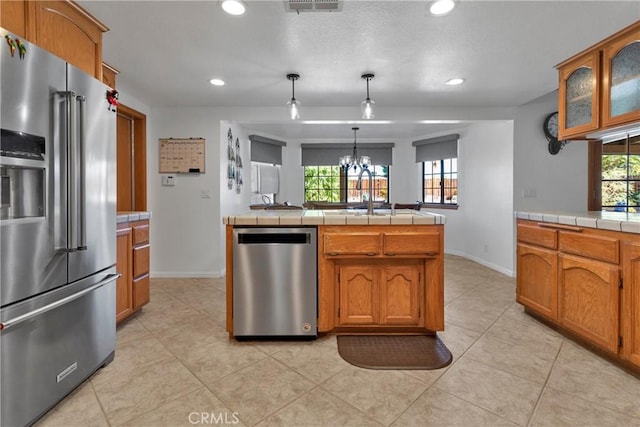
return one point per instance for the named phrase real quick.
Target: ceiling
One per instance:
(167, 51)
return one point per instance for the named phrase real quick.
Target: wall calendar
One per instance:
(182, 155)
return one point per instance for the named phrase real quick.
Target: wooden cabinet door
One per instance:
(407, 243)
(589, 300)
(14, 17)
(400, 290)
(579, 96)
(140, 260)
(140, 291)
(352, 243)
(124, 297)
(67, 31)
(537, 280)
(630, 310)
(621, 79)
(358, 296)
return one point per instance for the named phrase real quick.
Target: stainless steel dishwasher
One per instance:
(275, 288)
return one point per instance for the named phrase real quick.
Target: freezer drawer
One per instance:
(275, 282)
(52, 345)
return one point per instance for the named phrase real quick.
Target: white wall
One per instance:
(487, 153)
(556, 182)
(128, 97)
(185, 227)
(481, 228)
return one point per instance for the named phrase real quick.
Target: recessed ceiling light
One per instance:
(217, 82)
(234, 7)
(454, 82)
(441, 7)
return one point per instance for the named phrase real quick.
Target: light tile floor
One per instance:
(175, 366)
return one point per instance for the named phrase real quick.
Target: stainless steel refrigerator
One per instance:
(57, 230)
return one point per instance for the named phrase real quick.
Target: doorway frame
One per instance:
(139, 157)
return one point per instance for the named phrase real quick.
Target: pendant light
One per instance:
(293, 106)
(367, 105)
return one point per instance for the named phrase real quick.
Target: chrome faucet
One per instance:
(359, 187)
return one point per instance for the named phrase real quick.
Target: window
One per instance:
(380, 181)
(620, 178)
(440, 181)
(323, 183)
(439, 158)
(331, 184)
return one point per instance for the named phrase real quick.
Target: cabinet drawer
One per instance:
(544, 237)
(411, 243)
(140, 291)
(140, 232)
(597, 247)
(352, 243)
(140, 260)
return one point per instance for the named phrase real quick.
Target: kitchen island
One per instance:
(580, 273)
(381, 272)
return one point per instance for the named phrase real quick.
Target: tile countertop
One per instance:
(132, 216)
(614, 221)
(319, 217)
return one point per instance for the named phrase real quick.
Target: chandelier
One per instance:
(348, 161)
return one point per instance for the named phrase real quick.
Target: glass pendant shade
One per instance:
(346, 161)
(367, 105)
(367, 109)
(293, 107)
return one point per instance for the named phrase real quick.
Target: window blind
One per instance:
(330, 153)
(442, 147)
(266, 150)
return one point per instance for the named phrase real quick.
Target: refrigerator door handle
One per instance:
(70, 110)
(81, 177)
(73, 171)
(24, 317)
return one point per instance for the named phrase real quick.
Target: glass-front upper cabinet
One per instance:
(621, 79)
(579, 96)
(599, 88)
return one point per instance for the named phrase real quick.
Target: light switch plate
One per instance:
(168, 180)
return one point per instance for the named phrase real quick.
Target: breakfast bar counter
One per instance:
(335, 217)
(376, 273)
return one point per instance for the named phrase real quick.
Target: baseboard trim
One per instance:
(186, 275)
(481, 261)
(221, 274)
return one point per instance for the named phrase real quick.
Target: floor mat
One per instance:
(394, 351)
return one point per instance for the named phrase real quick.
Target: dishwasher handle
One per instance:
(250, 238)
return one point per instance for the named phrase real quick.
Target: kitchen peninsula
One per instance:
(580, 272)
(381, 272)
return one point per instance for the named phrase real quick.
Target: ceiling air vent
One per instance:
(313, 5)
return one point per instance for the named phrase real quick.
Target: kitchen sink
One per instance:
(376, 212)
